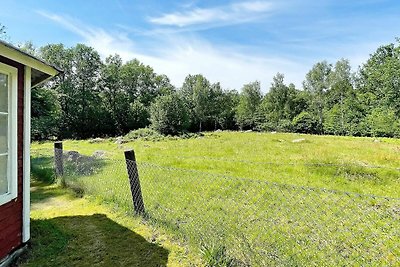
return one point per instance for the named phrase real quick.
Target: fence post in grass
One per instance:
(134, 182)
(58, 159)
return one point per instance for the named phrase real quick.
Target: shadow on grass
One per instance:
(42, 174)
(90, 241)
(42, 169)
(76, 166)
(93, 240)
(39, 193)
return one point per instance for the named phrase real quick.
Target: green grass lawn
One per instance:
(256, 199)
(68, 230)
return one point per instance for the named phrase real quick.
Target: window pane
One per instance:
(3, 133)
(3, 92)
(3, 175)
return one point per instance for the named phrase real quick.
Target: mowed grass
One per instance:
(69, 230)
(276, 214)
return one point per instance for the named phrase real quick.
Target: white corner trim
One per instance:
(27, 157)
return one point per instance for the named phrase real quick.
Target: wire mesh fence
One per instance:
(235, 221)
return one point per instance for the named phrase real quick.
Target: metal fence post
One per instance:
(134, 182)
(58, 159)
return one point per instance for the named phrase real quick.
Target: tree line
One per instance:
(95, 97)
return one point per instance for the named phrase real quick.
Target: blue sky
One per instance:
(234, 42)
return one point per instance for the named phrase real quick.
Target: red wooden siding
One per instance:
(11, 213)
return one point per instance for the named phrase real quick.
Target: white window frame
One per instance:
(12, 174)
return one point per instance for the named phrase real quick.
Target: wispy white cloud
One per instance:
(64, 21)
(223, 64)
(177, 56)
(103, 41)
(295, 35)
(252, 6)
(231, 14)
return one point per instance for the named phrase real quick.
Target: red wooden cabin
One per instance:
(19, 72)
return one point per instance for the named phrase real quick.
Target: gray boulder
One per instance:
(300, 140)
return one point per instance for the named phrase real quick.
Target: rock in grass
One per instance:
(119, 140)
(99, 154)
(300, 140)
(96, 140)
(72, 155)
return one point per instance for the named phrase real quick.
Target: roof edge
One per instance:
(26, 59)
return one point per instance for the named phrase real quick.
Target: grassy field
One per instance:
(249, 154)
(257, 199)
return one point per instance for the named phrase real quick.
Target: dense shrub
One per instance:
(138, 115)
(306, 123)
(382, 122)
(168, 115)
(144, 133)
(284, 126)
(281, 126)
(149, 134)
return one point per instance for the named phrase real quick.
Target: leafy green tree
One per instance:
(45, 114)
(380, 76)
(139, 116)
(346, 118)
(141, 83)
(281, 104)
(317, 84)
(46, 108)
(249, 101)
(377, 87)
(95, 98)
(273, 104)
(228, 104)
(340, 83)
(78, 90)
(29, 48)
(168, 114)
(99, 98)
(383, 122)
(129, 89)
(340, 106)
(115, 100)
(201, 100)
(61, 56)
(197, 95)
(223, 106)
(163, 85)
(86, 70)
